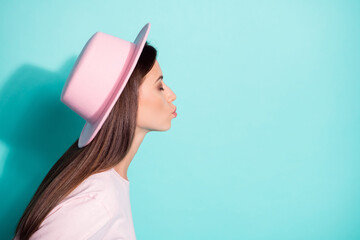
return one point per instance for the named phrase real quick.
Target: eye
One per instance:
(161, 88)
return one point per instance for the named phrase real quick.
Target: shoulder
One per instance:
(104, 187)
(97, 185)
(85, 211)
(107, 188)
(76, 219)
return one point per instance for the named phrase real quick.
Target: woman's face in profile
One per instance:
(155, 110)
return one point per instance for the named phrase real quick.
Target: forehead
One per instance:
(154, 73)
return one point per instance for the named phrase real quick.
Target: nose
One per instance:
(172, 95)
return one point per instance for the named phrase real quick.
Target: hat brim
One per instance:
(90, 130)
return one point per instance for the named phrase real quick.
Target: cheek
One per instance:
(152, 107)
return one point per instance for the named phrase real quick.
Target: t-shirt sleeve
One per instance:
(78, 218)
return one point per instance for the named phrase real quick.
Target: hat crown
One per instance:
(98, 71)
(99, 76)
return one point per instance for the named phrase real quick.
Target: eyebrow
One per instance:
(159, 78)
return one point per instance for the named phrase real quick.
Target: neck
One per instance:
(123, 165)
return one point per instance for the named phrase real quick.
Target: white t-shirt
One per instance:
(99, 208)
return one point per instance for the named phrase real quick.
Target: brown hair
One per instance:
(107, 149)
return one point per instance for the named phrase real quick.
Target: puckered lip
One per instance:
(174, 110)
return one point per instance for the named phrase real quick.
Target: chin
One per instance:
(159, 129)
(164, 128)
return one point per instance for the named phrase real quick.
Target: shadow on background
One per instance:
(37, 128)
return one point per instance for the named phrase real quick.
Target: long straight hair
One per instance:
(106, 150)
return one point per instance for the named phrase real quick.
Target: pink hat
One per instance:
(98, 77)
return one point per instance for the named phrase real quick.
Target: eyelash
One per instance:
(162, 89)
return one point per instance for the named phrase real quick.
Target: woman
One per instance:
(85, 195)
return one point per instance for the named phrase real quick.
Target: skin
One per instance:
(155, 113)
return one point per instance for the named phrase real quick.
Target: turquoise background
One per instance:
(266, 144)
